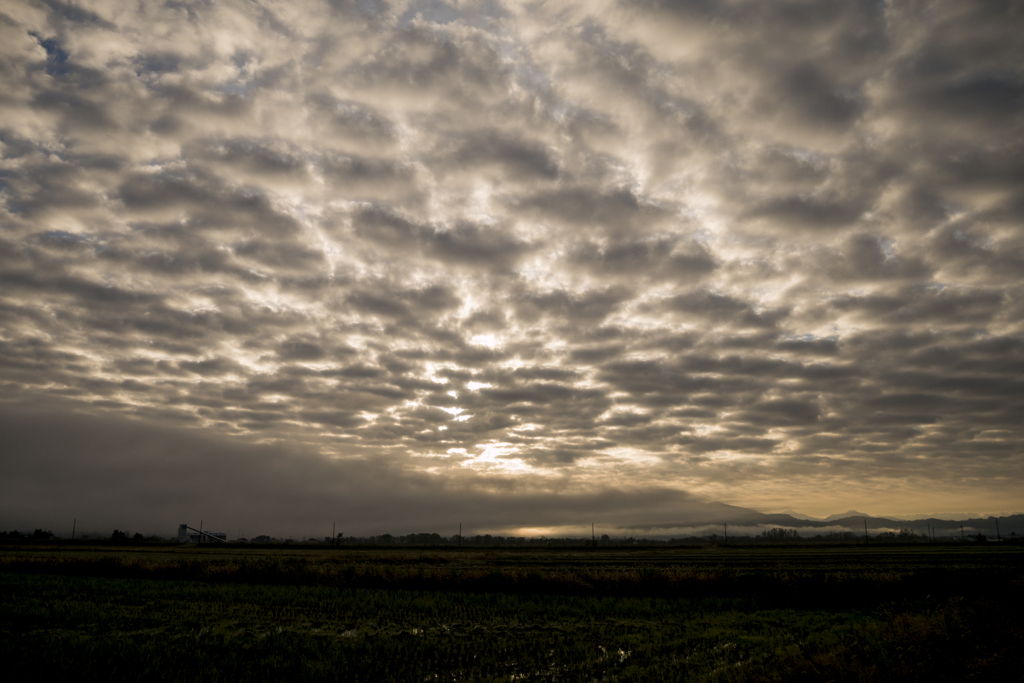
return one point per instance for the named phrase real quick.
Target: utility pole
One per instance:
(73, 525)
(998, 537)
(200, 531)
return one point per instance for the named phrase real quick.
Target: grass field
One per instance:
(695, 614)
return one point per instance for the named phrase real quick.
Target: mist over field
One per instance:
(526, 266)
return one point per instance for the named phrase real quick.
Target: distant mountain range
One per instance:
(844, 515)
(722, 513)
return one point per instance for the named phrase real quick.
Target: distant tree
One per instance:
(138, 537)
(119, 535)
(41, 535)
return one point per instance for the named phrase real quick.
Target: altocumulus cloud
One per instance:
(539, 257)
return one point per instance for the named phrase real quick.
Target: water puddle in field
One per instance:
(623, 655)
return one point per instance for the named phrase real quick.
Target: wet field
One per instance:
(176, 613)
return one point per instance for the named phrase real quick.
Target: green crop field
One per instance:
(177, 613)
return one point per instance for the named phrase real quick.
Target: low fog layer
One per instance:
(108, 473)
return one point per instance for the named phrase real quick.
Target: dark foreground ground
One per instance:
(155, 613)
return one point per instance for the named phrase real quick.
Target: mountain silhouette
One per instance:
(718, 513)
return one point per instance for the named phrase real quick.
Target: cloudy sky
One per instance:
(532, 263)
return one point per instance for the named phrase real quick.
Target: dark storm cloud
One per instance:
(207, 201)
(353, 122)
(712, 246)
(256, 156)
(462, 243)
(507, 154)
(591, 306)
(614, 211)
(660, 256)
